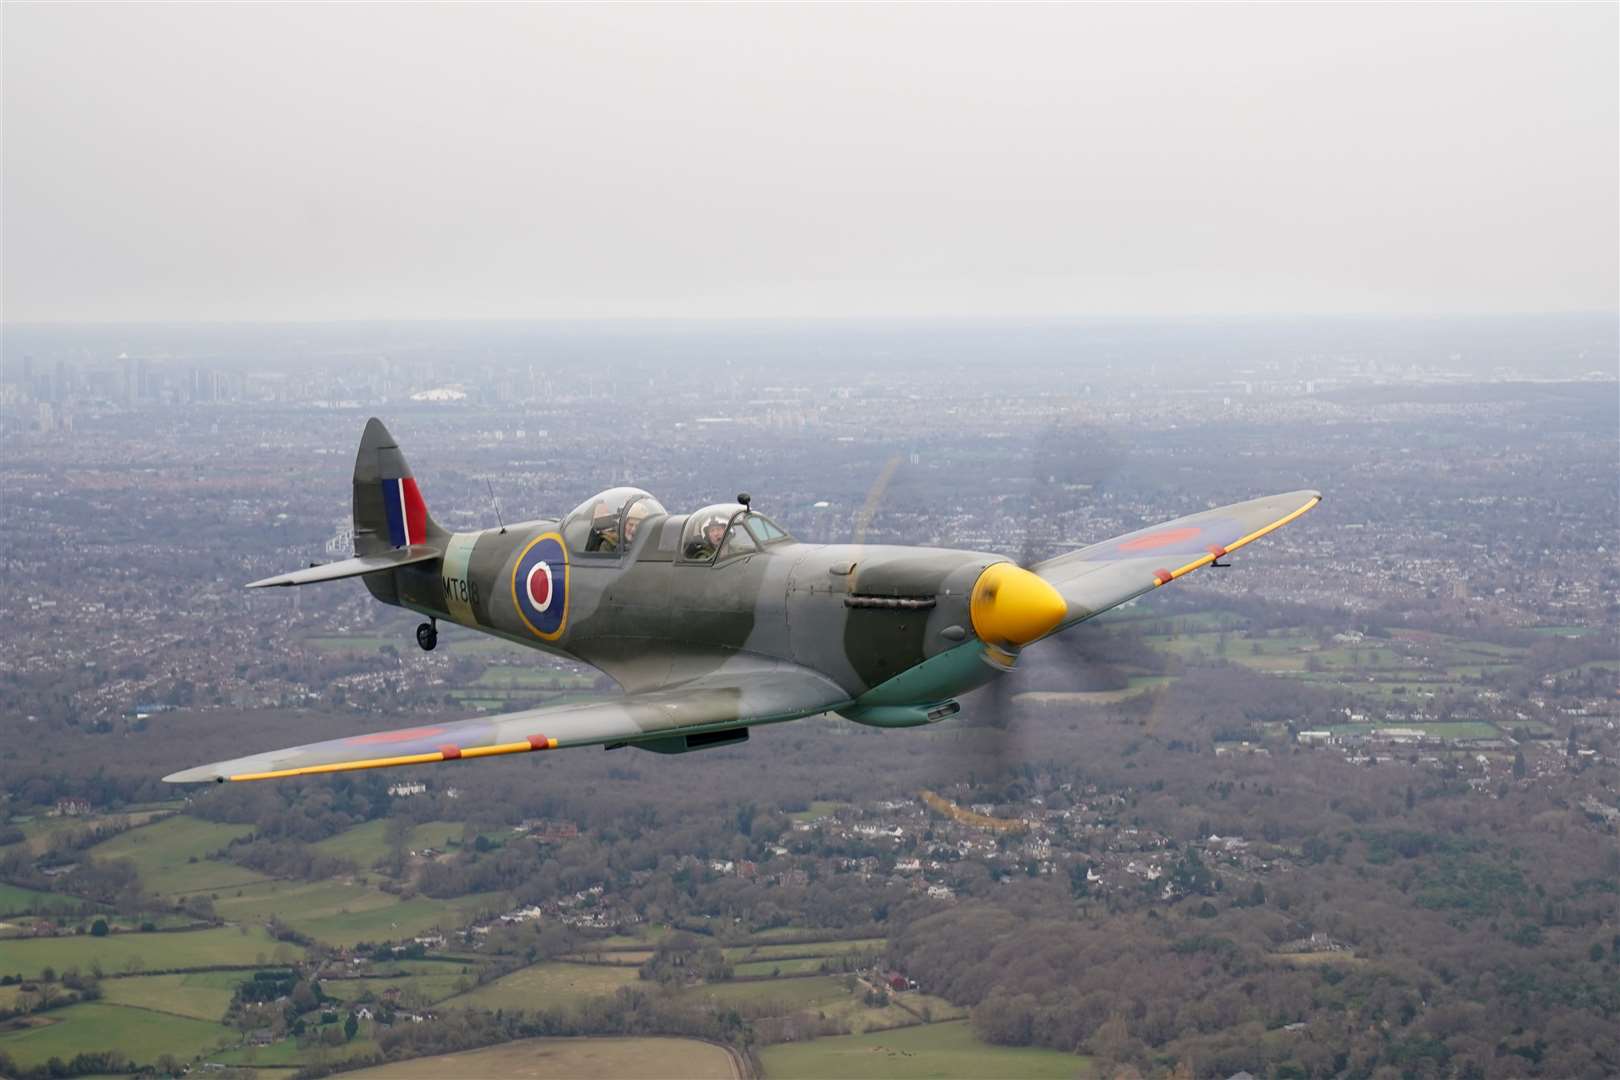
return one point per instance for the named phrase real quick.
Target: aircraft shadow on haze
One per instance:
(716, 621)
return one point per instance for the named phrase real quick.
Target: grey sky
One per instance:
(324, 162)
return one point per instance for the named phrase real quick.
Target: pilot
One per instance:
(604, 536)
(708, 541)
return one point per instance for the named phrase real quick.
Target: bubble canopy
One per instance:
(727, 529)
(607, 522)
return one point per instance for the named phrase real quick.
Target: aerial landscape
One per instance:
(1052, 541)
(1358, 792)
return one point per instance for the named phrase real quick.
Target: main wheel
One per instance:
(427, 636)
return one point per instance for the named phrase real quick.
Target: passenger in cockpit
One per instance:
(632, 520)
(708, 542)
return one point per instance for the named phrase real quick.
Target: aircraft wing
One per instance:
(659, 718)
(1105, 575)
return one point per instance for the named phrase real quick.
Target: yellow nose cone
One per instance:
(1011, 606)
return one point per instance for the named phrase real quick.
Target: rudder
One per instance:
(389, 511)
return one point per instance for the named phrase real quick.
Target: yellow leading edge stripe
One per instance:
(408, 759)
(1234, 545)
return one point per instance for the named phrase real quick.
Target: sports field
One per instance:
(548, 1059)
(943, 1051)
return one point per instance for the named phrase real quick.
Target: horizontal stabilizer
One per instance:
(364, 564)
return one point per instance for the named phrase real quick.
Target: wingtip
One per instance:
(202, 774)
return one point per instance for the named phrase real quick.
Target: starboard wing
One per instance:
(1108, 574)
(720, 701)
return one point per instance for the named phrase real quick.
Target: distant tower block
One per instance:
(342, 541)
(1459, 590)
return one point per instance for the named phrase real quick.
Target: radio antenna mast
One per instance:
(493, 501)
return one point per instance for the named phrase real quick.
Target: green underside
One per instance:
(906, 699)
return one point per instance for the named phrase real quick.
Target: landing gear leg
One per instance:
(427, 635)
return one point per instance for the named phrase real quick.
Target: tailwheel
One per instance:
(427, 635)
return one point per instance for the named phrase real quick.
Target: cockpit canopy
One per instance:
(607, 523)
(727, 529)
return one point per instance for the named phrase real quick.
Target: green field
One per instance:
(555, 1059)
(543, 985)
(364, 844)
(902, 1011)
(279, 1058)
(171, 855)
(1413, 661)
(417, 981)
(817, 809)
(297, 902)
(218, 947)
(820, 948)
(1453, 730)
(468, 700)
(512, 677)
(344, 912)
(774, 997)
(16, 900)
(632, 958)
(646, 935)
(944, 1051)
(201, 995)
(140, 1033)
(806, 965)
(485, 697)
(392, 918)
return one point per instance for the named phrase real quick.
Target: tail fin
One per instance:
(389, 511)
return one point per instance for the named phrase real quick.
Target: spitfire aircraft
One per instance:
(717, 621)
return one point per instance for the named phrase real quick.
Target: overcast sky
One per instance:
(329, 162)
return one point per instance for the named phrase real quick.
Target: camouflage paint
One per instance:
(880, 633)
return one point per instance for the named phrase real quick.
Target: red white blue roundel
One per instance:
(540, 586)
